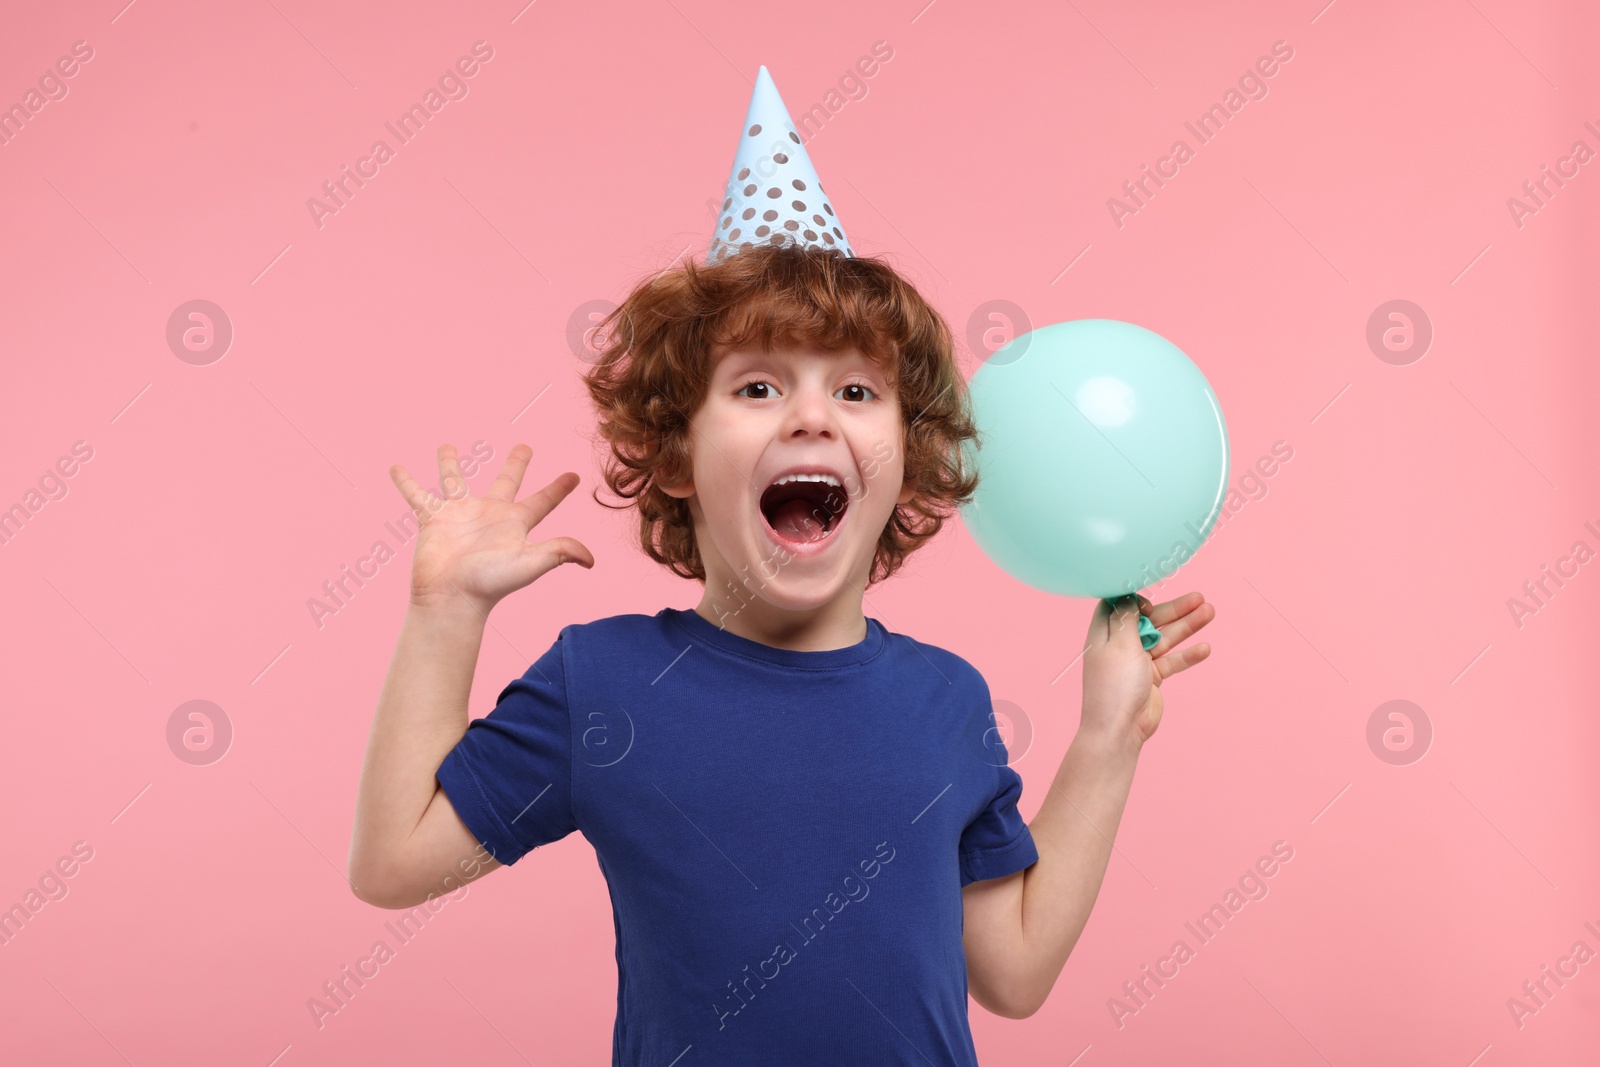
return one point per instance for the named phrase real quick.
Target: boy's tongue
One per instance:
(794, 519)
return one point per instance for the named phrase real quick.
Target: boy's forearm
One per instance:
(1073, 832)
(421, 715)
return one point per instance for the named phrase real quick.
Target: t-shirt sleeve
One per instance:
(510, 775)
(997, 842)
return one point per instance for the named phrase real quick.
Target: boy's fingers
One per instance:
(1182, 628)
(538, 559)
(1182, 660)
(1175, 608)
(1111, 615)
(1125, 619)
(537, 505)
(509, 480)
(1099, 623)
(571, 550)
(452, 483)
(421, 500)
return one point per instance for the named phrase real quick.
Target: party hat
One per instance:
(774, 195)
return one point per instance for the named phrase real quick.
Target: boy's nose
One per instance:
(810, 413)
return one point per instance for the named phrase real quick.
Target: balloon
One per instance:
(1102, 459)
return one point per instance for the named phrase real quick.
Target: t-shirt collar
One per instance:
(707, 632)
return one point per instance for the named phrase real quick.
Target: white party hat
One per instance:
(774, 195)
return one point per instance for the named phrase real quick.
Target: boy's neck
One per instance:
(837, 624)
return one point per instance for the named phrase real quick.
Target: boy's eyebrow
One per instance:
(740, 356)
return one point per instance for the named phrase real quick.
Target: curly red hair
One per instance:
(654, 363)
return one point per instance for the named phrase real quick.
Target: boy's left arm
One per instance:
(1020, 929)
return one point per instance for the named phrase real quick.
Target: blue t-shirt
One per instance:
(784, 834)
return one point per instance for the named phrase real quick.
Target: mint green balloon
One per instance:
(1102, 458)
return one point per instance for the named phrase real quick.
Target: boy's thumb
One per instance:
(540, 559)
(569, 550)
(1125, 618)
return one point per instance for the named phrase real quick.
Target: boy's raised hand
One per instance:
(1121, 681)
(477, 547)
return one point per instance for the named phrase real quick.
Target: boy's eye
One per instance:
(757, 384)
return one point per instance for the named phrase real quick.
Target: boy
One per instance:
(809, 834)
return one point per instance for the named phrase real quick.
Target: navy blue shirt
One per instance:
(784, 834)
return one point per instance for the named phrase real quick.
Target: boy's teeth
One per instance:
(828, 478)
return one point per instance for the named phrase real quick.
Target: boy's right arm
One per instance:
(407, 840)
(408, 843)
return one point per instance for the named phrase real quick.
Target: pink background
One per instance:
(590, 151)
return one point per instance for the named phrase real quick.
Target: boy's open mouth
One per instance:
(804, 507)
